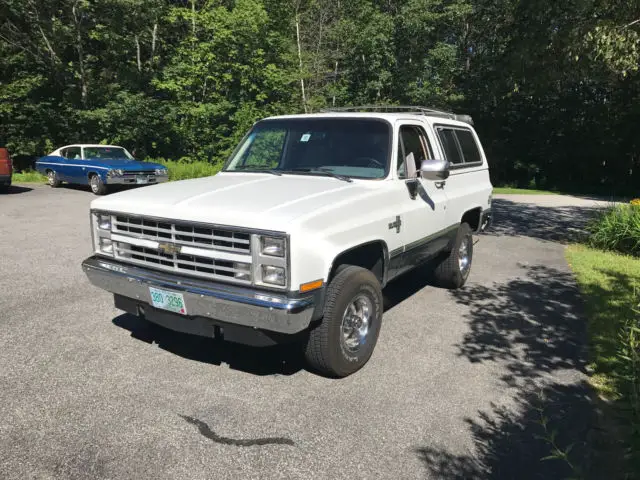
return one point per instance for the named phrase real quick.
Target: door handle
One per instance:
(440, 185)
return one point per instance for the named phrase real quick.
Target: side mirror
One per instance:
(434, 170)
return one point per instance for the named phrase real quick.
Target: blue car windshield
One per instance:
(106, 152)
(349, 147)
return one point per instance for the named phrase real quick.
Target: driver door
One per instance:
(425, 220)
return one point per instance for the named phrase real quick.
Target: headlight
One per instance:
(161, 171)
(273, 275)
(116, 173)
(272, 246)
(106, 246)
(104, 221)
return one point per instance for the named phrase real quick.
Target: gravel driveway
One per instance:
(454, 389)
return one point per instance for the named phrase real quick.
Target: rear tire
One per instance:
(453, 271)
(345, 338)
(52, 179)
(97, 185)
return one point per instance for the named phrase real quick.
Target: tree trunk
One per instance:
(304, 96)
(79, 48)
(138, 54)
(154, 38)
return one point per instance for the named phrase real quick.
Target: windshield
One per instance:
(357, 148)
(106, 152)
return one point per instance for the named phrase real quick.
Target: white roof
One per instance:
(90, 145)
(391, 117)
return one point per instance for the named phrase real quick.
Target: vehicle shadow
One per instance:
(16, 189)
(276, 360)
(563, 224)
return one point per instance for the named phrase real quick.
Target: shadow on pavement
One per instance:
(559, 224)
(276, 360)
(15, 189)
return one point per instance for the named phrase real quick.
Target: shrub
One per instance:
(186, 168)
(618, 228)
(635, 202)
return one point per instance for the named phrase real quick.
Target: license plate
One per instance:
(142, 179)
(174, 302)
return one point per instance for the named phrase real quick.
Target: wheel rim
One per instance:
(356, 323)
(94, 183)
(52, 177)
(464, 256)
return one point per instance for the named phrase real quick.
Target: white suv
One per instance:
(296, 237)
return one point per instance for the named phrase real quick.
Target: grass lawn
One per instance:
(28, 177)
(521, 191)
(610, 283)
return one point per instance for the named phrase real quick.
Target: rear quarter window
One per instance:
(447, 138)
(469, 146)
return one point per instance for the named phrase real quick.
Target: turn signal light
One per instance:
(307, 287)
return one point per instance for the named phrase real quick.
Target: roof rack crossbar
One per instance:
(401, 109)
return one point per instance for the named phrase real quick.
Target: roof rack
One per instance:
(402, 109)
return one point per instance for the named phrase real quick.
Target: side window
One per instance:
(416, 147)
(469, 147)
(448, 139)
(73, 153)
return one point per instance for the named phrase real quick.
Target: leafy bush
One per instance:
(618, 228)
(186, 168)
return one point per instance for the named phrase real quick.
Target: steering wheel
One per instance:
(370, 162)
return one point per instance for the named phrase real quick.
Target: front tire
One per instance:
(52, 179)
(97, 185)
(344, 340)
(453, 271)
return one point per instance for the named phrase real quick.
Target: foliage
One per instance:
(29, 176)
(553, 87)
(521, 191)
(187, 168)
(617, 228)
(611, 286)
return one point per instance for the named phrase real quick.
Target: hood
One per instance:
(251, 200)
(126, 164)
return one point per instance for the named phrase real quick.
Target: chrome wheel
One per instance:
(51, 177)
(94, 184)
(464, 259)
(356, 323)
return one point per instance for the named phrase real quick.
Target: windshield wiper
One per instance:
(254, 169)
(322, 171)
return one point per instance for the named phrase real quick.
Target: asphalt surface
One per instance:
(453, 389)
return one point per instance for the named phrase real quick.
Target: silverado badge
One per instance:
(169, 248)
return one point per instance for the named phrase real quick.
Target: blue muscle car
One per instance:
(98, 166)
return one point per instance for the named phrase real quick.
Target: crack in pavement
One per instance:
(206, 431)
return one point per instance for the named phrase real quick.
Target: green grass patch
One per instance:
(182, 170)
(521, 191)
(610, 283)
(617, 228)
(29, 176)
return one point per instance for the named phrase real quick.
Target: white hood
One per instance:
(251, 200)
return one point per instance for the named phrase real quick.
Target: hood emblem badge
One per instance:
(169, 248)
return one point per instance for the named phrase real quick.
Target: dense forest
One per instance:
(553, 86)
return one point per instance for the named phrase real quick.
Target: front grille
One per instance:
(181, 263)
(183, 234)
(132, 173)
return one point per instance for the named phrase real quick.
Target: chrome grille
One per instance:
(181, 263)
(183, 234)
(129, 173)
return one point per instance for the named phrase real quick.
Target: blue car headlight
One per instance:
(162, 171)
(116, 173)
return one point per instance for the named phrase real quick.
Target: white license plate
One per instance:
(172, 301)
(142, 179)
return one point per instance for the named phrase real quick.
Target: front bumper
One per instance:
(246, 307)
(152, 179)
(486, 220)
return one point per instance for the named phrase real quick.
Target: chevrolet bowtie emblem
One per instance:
(169, 248)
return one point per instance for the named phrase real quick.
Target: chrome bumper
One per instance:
(152, 180)
(486, 220)
(275, 312)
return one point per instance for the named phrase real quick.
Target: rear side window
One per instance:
(449, 144)
(72, 153)
(469, 147)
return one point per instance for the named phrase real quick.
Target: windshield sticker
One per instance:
(305, 137)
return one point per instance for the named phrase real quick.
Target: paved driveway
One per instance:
(454, 389)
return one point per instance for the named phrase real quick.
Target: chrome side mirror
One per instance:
(434, 170)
